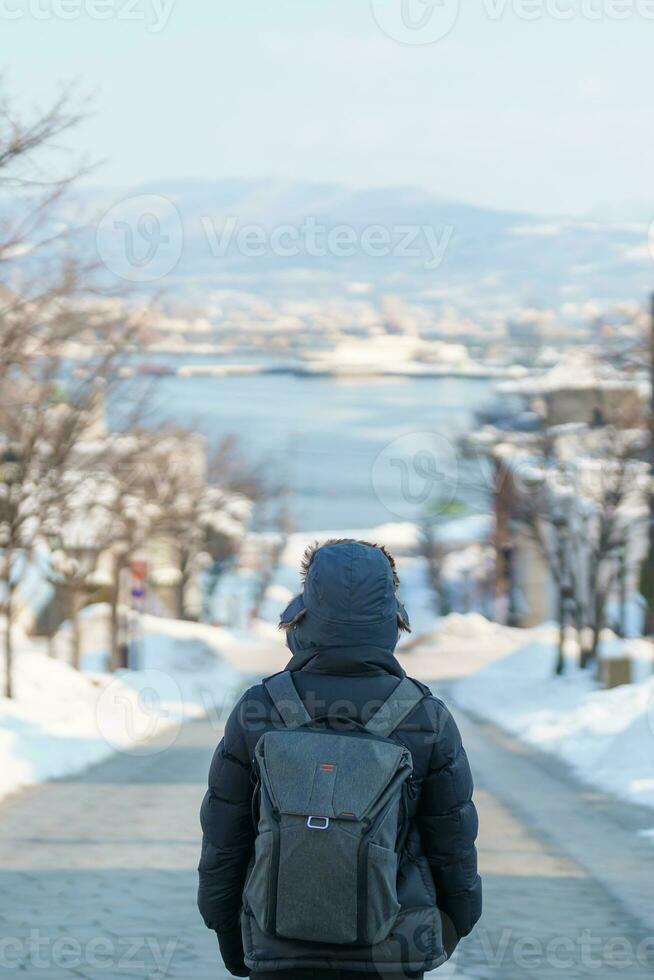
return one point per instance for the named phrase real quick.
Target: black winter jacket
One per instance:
(346, 682)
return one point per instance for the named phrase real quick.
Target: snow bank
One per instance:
(455, 646)
(62, 720)
(48, 728)
(607, 737)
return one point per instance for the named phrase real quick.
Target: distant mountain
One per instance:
(256, 236)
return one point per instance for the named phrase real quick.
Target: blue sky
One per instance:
(544, 114)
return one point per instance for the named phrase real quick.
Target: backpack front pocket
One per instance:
(317, 881)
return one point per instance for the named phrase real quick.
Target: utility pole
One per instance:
(647, 568)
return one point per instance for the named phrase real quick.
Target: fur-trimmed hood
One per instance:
(349, 602)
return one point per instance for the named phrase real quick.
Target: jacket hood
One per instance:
(349, 607)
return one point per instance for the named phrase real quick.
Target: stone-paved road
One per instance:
(568, 881)
(97, 875)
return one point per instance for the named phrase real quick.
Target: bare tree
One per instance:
(546, 522)
(36, 270)
(229, 468)
(434, 554)
(110, 514)
(580, 516)
(44, 425)
(77, 527)
(39, 431)
(202, 522)
(614, 502)
(51, 314)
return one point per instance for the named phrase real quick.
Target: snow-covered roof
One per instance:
(577, 369)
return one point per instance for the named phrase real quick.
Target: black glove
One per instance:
(231, 950)
(450, 940)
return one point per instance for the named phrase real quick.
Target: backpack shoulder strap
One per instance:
(287, 701)
(406, 696)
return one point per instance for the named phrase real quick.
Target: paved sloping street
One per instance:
(98, 871)
(568, 879)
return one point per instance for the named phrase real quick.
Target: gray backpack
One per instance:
(331, 822)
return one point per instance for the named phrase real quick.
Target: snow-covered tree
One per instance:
(203, 523)
(582, 512)
(49, 308)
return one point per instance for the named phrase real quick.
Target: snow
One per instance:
(390, 354)
(606, 737)
(465, 530)
(576, 368)
(456, 645)
(62, 720)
